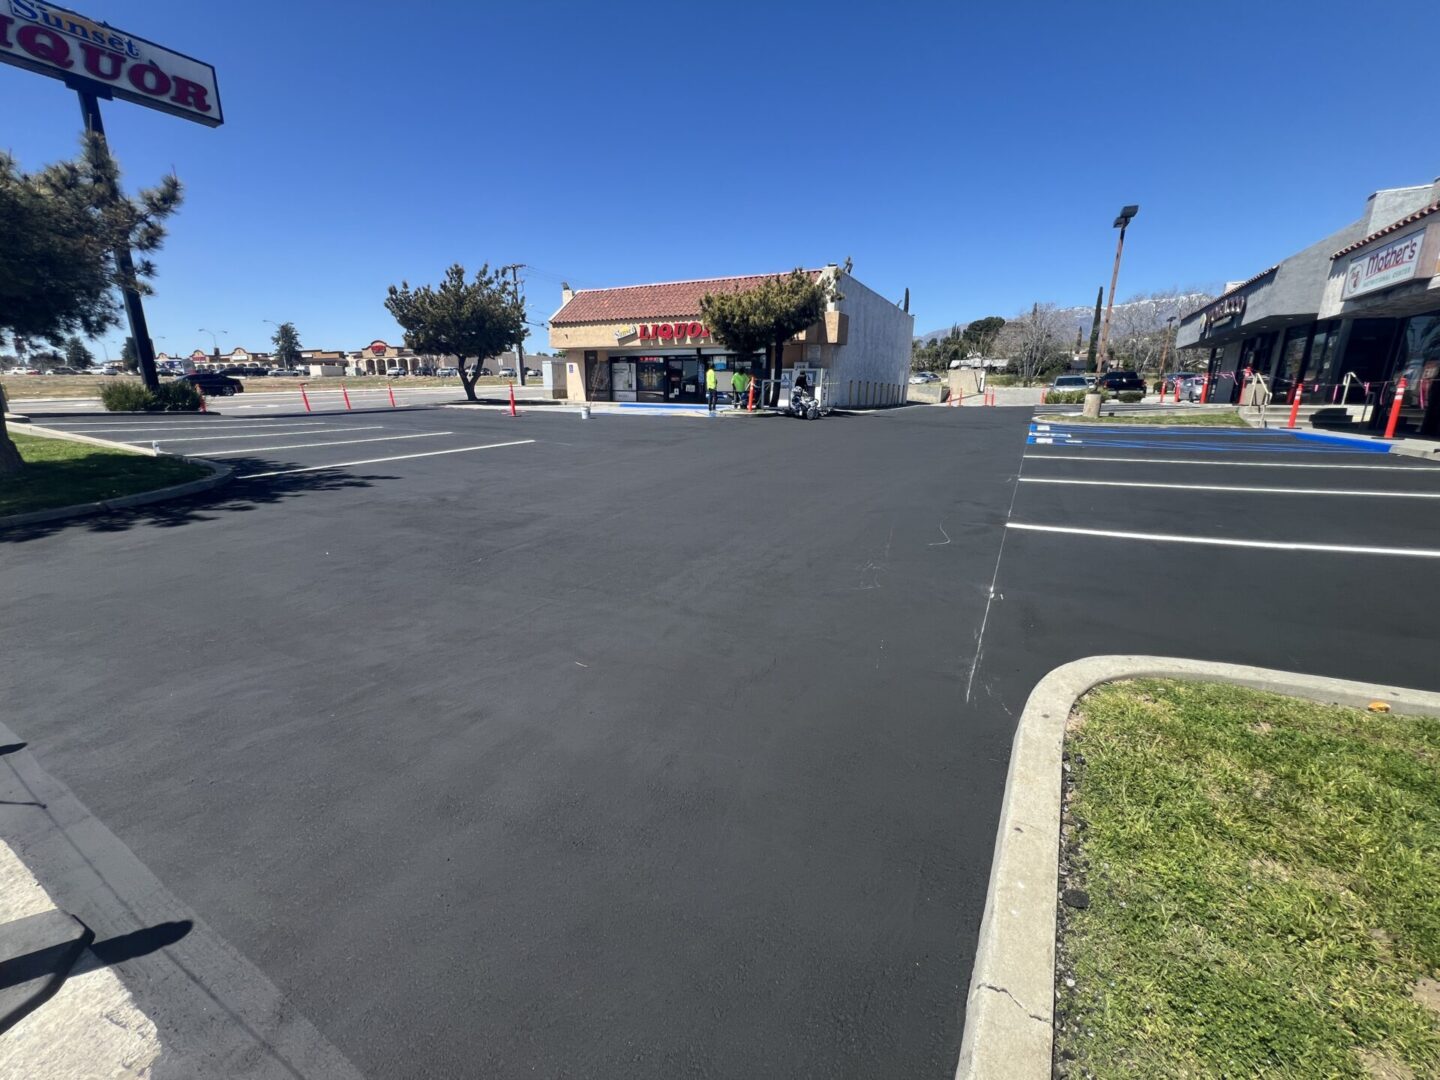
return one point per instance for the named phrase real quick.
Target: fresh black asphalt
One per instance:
(654, 747)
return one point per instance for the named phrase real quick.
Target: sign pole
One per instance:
(134, 309)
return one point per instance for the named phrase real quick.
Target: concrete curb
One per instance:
(219, 476)
(198, 1003)
(1009, 1011)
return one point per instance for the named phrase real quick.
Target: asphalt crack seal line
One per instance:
(1017, 932)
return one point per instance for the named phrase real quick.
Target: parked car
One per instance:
(423, 369)
(486, 372)
(532, 373)
(1120, 381)
(394, 371)
(213, 385)
(1191, 387)
(507, 373)
(1069, 384)
(922, 377)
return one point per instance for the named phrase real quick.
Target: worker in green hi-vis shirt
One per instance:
(739, 383)
(710, 386)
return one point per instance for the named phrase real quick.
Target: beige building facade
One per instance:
(648, 344)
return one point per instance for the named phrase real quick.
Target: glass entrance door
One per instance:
(683, 380)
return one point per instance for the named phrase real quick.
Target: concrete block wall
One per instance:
(873, 366)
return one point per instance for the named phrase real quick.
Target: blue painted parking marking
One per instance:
(1213, 440)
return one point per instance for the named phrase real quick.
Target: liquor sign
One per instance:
(1391, 264)
(679, 331)
(60, 43)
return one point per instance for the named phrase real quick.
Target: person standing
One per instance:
(710, 393)
(739, 383)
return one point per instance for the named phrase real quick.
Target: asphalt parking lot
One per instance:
(541, 746)
(1292, 551)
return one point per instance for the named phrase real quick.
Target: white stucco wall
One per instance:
(876, 354)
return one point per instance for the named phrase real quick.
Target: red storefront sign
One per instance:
(378, 347)
(678, 331)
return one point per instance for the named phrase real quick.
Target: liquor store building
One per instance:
(649, 343)
(1343, 320)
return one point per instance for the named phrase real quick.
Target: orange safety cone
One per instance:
(1294, 406)
(512, 400)
(391, 390)
(345, 394)
(751, 406)
(304, 397)
(1394, 420)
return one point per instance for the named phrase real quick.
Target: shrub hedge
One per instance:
(130, 396)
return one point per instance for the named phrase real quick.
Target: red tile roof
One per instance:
(674, 299)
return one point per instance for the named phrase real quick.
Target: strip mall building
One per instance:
(1346, 318)
(648, 343)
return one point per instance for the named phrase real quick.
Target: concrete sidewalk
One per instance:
(91, 1026)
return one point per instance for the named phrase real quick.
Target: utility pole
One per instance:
(1165, 351)
(515, 269)
(124, 264)
(1122, 222)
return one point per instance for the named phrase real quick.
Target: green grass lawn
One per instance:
(1264, 884)
(59, 472)
(1225, 418)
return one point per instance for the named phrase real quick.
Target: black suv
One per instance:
(1117, 381)
(213, 385)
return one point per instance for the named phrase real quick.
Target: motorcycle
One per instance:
(803, 405)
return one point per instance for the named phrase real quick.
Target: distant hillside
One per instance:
(1151, 309)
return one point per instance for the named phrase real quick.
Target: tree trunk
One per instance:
(9, 455)
(776, 352)
(469, 381)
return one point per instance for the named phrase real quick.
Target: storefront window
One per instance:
(1320, 359)
(597, 377)
(1419, 359)
(1291, 360)
(650, 378)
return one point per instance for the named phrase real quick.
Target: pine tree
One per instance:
(1095, 331)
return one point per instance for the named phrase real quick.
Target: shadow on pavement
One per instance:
(235, 497)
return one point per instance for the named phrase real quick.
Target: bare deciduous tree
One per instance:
(1034, 341)
(1140, 328)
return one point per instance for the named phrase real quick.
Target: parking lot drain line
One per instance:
(380, 460)
(1219, 541)
(1238, 488)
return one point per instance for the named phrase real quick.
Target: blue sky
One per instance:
(975, 154)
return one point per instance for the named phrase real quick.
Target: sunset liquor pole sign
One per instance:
(98, 62)
(68, 46)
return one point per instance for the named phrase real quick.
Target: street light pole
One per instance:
(1127, 213)
(213, 341)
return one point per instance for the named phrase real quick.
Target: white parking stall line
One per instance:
(266, 434)
(377, 461)
(1231, 464)
(1237, 488)
(1218, 541)
(196, 425)
(308, 445)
